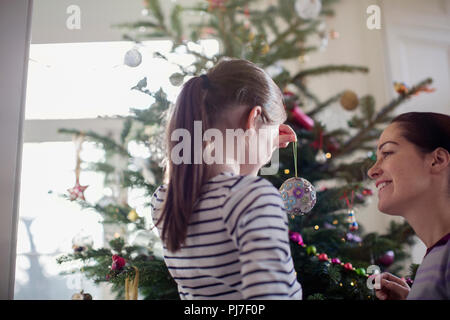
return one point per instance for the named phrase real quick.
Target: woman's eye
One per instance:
(386, 153)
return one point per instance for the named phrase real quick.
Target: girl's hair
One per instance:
(426, 130)
(231, 83)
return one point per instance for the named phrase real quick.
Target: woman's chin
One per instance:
(386, 208)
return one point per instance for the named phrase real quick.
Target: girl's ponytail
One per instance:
(184, 181)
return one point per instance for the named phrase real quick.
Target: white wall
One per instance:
(15, 20)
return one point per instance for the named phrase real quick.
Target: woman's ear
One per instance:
(253, 118)
(440, 160)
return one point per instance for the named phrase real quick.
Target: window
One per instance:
(70, 86)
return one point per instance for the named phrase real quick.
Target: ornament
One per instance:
(132, 285)
(81, 296)
(335, 261)
(132, 215)
(302, 119)
(321, 157)
(133, 58)
(387, 258)
(348, 266)
(77, 192)
(176, 79)
(353, 238)
(311, 250)
(349, 100)
(308, 9)
(361, 271)
(296, 237)
(298, 194)
(118, 263)
(323, 257)
(81, 242)
(353, 225)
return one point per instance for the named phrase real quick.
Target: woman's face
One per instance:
(400, 172)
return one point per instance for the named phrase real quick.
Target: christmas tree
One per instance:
(331, 251)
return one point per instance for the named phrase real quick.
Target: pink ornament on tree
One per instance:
(335, 261)
(348, 266)
(323, 257)
(302, 118)
(296, 237)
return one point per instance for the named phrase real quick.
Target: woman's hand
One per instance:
(392, 288)
(285, 135)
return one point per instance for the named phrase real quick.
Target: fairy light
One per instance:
(328, 155)
(316, 227)
(286, 171)
(116, 235)
(335, 222)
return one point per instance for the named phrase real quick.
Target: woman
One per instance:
(412, 174)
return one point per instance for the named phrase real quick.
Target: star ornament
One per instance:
(77, 192)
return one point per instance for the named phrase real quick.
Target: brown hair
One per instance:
(231, 83)
(426, 130)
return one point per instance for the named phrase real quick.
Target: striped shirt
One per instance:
(237, 244)
(432, 281)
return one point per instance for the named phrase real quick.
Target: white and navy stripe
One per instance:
(237, 244)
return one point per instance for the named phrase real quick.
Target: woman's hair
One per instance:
(231, 83)
(426, 130)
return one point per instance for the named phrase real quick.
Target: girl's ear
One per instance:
(252, 120)
(440, 160)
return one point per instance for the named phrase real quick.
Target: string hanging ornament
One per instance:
(77, 192)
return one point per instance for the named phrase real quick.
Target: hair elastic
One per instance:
(206, 82)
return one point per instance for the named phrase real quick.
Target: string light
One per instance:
(328, 155)
(316, 227)
(335, 222)
(116, 235)
(286, 171)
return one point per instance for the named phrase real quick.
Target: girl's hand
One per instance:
(392, 288)
(285, 135)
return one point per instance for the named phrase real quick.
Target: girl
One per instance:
(225, 230)
(412, 175)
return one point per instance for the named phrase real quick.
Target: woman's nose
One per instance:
(374, 171)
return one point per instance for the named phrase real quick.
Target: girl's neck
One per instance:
(216, 169)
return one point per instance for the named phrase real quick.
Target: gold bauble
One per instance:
(349, 100)
(133, 216)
